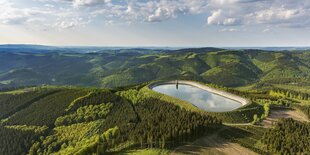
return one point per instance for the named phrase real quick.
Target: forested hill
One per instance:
(76, 120)
(66, 120)
(118, 112)
(114, 68)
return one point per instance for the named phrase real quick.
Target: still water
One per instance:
(199, 97)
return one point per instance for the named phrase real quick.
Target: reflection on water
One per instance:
(199, 97)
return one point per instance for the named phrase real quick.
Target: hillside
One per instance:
(64, 120)
(75, 120)
(133, 66)
(42, 110)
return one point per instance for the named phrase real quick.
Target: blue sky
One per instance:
(156, 22)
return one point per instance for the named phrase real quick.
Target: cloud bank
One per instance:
(64, 14)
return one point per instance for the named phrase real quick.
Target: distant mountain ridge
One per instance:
(121, 67)
(289, 48)
(33, 48)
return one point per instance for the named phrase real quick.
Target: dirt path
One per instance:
(213, 145)
(275, 115)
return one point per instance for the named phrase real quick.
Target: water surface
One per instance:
(199, 97)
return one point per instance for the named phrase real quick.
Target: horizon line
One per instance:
(157, 46)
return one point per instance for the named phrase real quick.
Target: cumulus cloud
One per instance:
(288, 13)
(78, 3)
(229, 30)
(153, 11)
(12, 15)
(45, 17)
(276, 15)
(266, 30)
(70, 23)
(83, 3)
(218, 18)
(163, 10)
(251, 12)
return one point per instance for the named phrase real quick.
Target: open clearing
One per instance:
(214, 145)
(275, 115)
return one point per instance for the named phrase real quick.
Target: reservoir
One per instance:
(199, 97)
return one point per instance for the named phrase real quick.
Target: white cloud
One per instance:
(276, 15)
(218, 18)
(45, 17)
(229, 30)
(78, 3)
(215, 18)
(150, 11)
(288, 13)
(266, 30)
(67, 24)
(12, 15)
(83, 3)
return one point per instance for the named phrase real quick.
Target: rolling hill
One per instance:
(117, 112)
(133, 66)
(70, 120)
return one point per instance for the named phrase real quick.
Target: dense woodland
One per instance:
(162, 124)
(84, 121)
(124, 67)
(12, 103)
(288, 137)
(46, 110)
(87, 121)
(71, 120)
(290, 94)
(15, 141)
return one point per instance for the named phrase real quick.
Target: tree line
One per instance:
(165, 125)
(15, 142)
(45, 110)
(290, 94)
(11, 103)
(288, 137)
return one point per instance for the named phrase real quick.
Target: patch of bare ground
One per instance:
(213, 145)
(277, 114)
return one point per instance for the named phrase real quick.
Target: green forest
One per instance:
(116, 68)
(85, 121)
(101, 103)
(288, 137)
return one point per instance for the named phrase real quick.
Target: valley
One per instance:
(117, 68)
(105, 102)
(154, 77)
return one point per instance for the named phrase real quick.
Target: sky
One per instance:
(175, 23)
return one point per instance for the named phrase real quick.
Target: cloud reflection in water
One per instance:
(199, 97)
